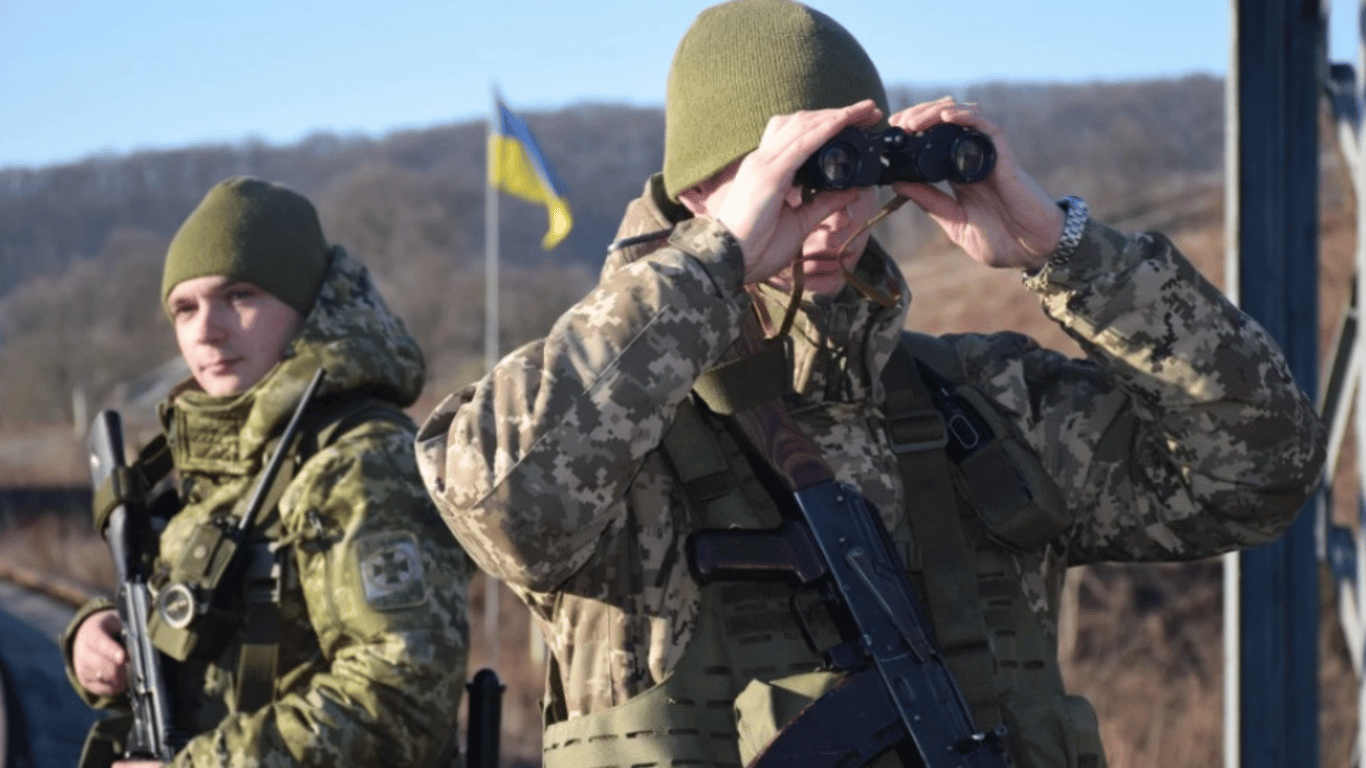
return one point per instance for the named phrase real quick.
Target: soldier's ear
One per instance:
(694, 200)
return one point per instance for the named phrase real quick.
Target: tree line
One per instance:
(81, 243)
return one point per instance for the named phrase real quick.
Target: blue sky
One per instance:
(83, 77)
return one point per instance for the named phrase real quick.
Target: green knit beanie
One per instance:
(745, 61)
(254, 231)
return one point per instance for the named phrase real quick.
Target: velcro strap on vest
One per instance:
(740, 384)
(911, 427)
(706, 477)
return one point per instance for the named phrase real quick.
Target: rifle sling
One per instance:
(258, 655)
(701, 465)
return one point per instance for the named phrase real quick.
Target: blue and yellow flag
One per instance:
(517, 167)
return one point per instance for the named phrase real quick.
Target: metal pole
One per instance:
(1231, 617)
(491, 326)
(491, 249)
(1359, 177)
(1273, 121)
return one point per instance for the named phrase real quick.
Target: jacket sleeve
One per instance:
(385, 587)
(1182, 434)
(526, 464)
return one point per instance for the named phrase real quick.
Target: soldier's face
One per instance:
(822, 261)
(231, 333)
(820, 258)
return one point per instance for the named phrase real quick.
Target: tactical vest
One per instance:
(263, 585)
(975, 495)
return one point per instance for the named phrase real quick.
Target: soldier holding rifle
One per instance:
(307, 603)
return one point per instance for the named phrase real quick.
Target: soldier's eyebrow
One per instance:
(178, 303)
(234, 285)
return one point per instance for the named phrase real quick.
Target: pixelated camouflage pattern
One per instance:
(1181, 436)
(360, 681)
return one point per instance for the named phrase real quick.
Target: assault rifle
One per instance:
(153, 735)
(897, 691)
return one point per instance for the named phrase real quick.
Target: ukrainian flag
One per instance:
(517, 167)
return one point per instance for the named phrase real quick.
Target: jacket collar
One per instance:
(349, 332)
(839, 344)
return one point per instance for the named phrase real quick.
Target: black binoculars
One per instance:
(861, 158)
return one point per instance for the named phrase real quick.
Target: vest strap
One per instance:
(708, 481)
(936, 524)
(258, 657)
(911, 427)
(740, 384)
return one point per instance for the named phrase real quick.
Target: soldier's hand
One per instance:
(763, 209)
(97, 655)
(1006, 220)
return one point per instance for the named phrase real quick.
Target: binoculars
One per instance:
(857, 157)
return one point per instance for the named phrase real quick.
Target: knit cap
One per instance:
(745, 61)
(254, 231)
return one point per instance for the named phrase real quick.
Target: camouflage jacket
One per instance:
(371, 657)
(1181, 435)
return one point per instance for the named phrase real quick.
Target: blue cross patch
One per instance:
(391, 570)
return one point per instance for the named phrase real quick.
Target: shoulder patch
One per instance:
(391, 570)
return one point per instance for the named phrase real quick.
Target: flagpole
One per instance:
(491, 324)
(491, 252)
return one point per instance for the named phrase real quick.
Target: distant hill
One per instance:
(81, 243)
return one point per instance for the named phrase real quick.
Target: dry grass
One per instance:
(62, 546)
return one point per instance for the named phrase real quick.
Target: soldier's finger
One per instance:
(799, 135)
(921, 116)
(108, 649)
(96, 683)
